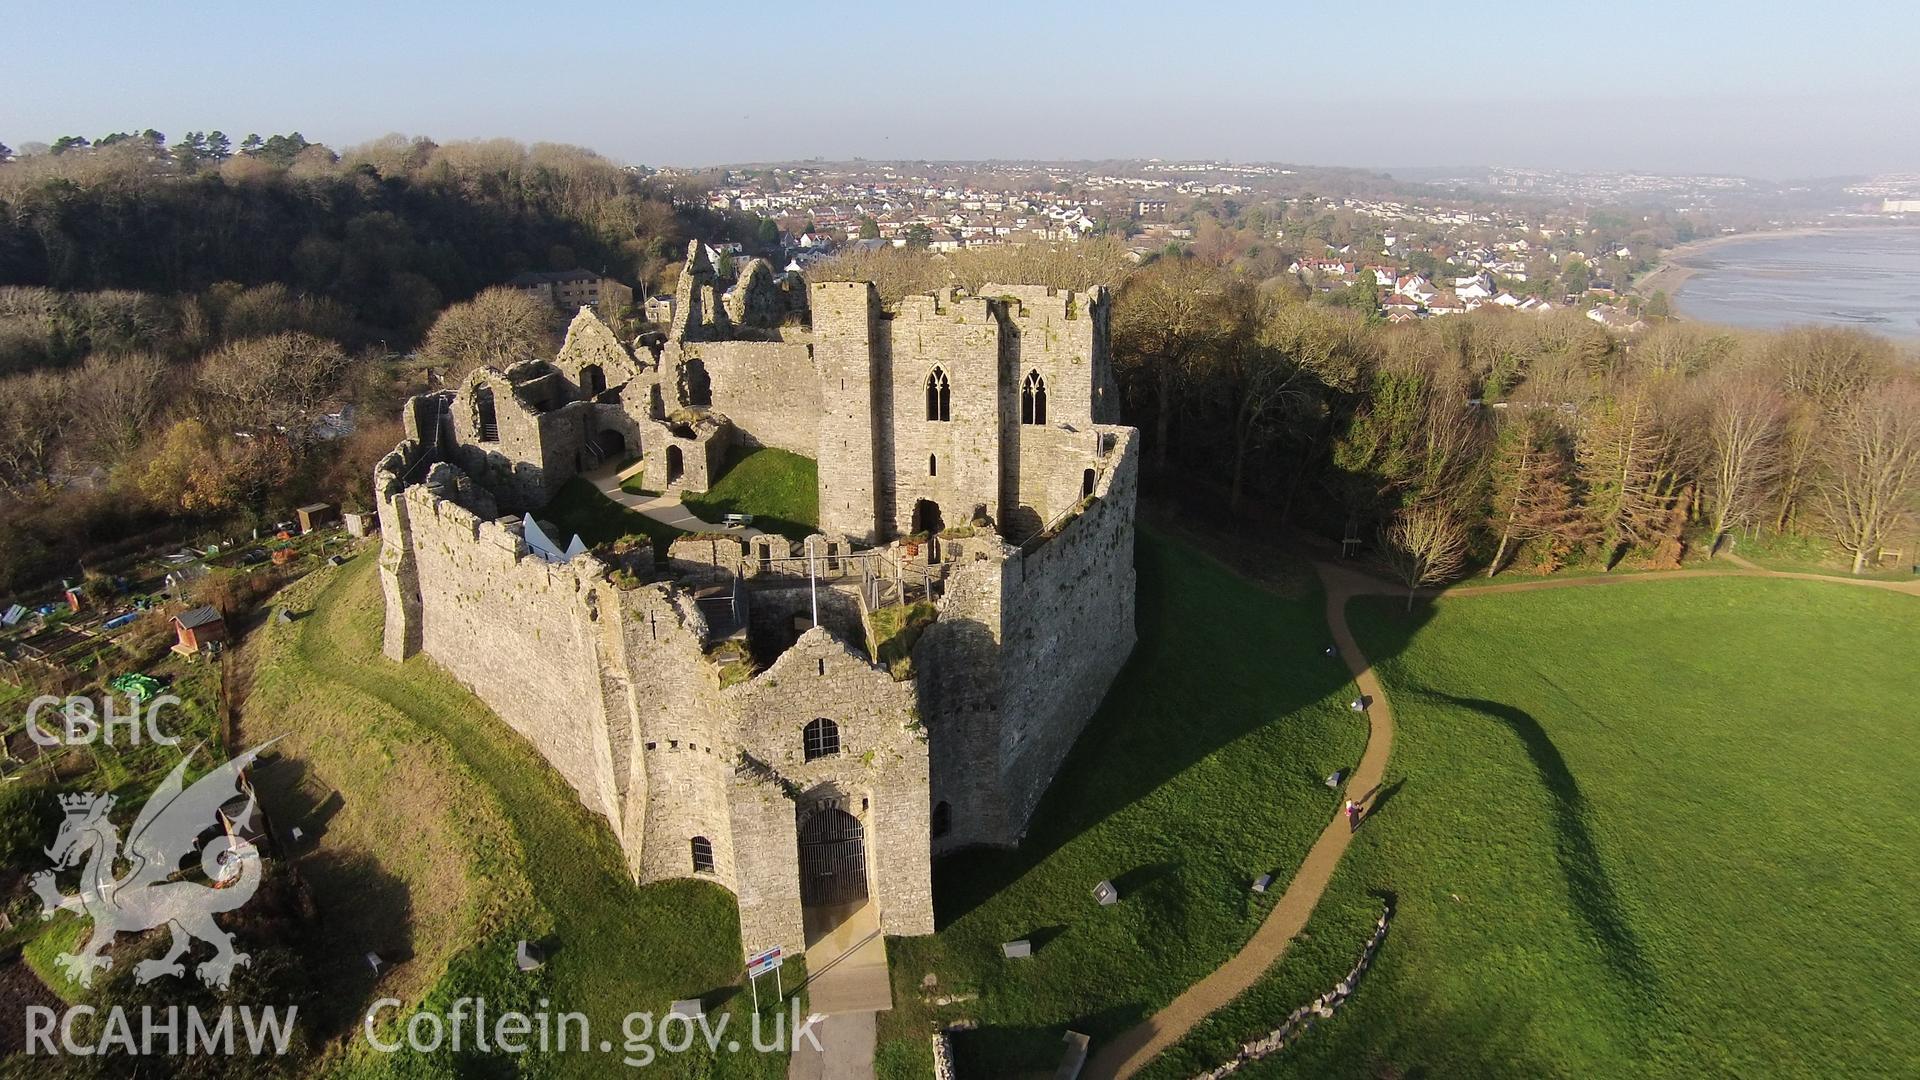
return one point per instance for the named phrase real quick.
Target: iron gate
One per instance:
(833, 861)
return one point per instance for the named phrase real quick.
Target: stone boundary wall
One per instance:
(943, 1056)
(1303, 1018)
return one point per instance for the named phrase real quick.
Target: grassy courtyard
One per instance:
(1200, 772)
(454, 840)
(1660, 829)
(781, 490)
(581, 508)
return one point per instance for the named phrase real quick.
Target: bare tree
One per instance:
(1425, 544)
(281, 382)
(1829, 366)
(497, 328)
(1741, 426)
(1871, 476)
(34, 412)
(115, 399)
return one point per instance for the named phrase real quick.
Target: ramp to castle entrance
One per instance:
(846, 955)
(847, 959)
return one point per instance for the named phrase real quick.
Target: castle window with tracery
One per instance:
(937, 395)
(1033, 400)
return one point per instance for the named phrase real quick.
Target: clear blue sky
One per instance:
(1763, 87)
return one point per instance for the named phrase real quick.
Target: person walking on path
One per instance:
(1353, 816)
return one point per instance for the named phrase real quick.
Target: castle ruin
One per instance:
(732, 709)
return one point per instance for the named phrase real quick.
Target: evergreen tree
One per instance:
(1531, 495)
(1621, 457)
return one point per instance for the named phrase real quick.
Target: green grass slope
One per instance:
(539, 860)
(781, 490)
(1200, 772)
(1657, 830)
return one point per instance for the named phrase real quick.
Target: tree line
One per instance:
(196, 337)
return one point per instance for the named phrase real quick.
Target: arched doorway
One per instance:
(675, 464)
(593, 381)
(1086, 483)
(833, 857)
(613, 444)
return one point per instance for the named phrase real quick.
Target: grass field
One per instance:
(1200, 773)
(781, 491)
(1656, 830)
(455, 825)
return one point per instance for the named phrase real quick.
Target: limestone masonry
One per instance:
(742, 710)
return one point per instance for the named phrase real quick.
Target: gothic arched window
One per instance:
(937, 395)
(1033, 400)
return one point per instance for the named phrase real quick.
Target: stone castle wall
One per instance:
(1068, 629)
(1023, 652)
(509, 626)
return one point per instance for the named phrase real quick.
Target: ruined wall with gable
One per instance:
(880, 771)
(770, 390)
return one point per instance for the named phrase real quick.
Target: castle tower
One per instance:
(848, 346)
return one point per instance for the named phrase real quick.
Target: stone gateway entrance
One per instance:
(833, 859)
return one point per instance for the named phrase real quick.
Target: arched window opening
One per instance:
(942, 822)
(1033, 400)
(933, 465)
(1086, 483)
(820, 739)
(484, 415)
(593, 381)
(937, 395)
(702, 855)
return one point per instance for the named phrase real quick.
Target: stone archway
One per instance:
(833, 856)
(676, 465)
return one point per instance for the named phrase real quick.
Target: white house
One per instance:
(1416, 287)
(1478, 287)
